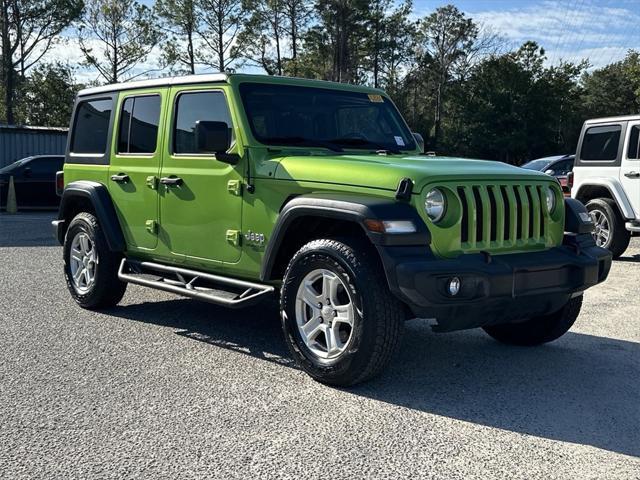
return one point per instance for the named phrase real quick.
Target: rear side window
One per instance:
(139, 119)
(601, 143)
(91, 126)
(193, 107)
(633, 151)
(562, 168)
(47, 165)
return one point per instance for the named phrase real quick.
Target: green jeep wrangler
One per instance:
(235, 188)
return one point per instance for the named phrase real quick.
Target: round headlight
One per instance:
(551, 199)
(435, 205)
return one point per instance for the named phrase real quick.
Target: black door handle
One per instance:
(171, 181)
(120, 178)
(632, 174)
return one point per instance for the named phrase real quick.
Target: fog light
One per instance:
(454, 286)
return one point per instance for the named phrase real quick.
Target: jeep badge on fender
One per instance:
(232, 188)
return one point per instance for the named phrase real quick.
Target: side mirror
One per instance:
(550, 172)
(214, 137)
(419, 140)
(27, 172)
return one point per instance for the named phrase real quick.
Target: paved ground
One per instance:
(163, 387)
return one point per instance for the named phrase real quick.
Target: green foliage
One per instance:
(48, 95)
(453, 80)
(28, 30)
(334, 48)
(181, 20)
(614, 89)
(512, 108)
(222, 23)
(116, 36)
(264, 35)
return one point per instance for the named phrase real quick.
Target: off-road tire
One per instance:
(106, 290)
(538, 330)
(619, 237)
(379, 318)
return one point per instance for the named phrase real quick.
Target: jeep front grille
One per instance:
(502, 216)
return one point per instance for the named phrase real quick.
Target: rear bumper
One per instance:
(497, 289)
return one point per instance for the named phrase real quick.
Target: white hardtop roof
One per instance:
(623, 118)
(157, 82)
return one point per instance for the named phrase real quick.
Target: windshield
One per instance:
(541, 163)
(14, 165)
(322, 117)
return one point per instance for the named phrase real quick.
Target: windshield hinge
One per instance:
(404, 190)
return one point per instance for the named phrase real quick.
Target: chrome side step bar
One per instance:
(231, 292)
(633, 226)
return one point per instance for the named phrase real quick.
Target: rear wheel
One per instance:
(340, 321)
(90, 267)
(538, 330)
(610, 232)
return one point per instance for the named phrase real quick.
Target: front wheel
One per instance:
(538, 330)
(340, 321)
(609, 231)
(90, 268)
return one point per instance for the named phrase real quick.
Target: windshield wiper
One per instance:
(351, 141)
(302, 142)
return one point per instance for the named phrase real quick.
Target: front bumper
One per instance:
(499, 288)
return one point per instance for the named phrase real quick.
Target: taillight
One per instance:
(570, 180)
(59, 183)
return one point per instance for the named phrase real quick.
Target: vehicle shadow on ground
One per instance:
(629, 259)
(582, 389)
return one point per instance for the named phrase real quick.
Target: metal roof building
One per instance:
(17, 142)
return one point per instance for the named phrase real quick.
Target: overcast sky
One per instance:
(601, 30)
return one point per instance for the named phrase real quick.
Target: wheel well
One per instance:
(75, 206)
(305, 229)
(589, 192)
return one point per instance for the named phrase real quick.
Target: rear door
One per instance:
(630, 167)
(200, 212)
(135, 164)
(41, 180)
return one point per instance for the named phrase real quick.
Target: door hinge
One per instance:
(233, 237)
(234, 187)
(152, 182)
(152, 226)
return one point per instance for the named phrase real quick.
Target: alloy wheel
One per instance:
(602, 229)
(82, 262)
(325, 313)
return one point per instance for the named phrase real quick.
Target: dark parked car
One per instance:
(558, 166)
(34, 179)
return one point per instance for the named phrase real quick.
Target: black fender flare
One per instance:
(98, 195)
(577, 219)
(616, 192)
(353, 208)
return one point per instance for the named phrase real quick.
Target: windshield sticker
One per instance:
(399, 141)
(376, 98)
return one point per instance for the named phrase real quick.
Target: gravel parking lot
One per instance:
(165, 387)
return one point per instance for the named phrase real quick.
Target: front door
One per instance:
(135, 164)
(200, 202)
(630, 168)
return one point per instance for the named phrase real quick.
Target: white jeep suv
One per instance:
(606, 177)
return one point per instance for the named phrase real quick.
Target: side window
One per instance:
(562, 168)
(194, 107)
(633, 151)
(45, 166)
(139, 119)
(601, 143)
(91, 126)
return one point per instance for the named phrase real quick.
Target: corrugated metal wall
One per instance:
(20, 142)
